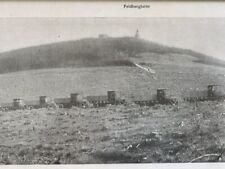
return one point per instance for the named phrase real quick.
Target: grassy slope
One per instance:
(130, 82)
(89, 52)
(177, 72)
(104, 135)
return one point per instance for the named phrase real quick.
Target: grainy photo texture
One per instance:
(112, 90)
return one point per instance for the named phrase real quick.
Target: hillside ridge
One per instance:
(89, 52)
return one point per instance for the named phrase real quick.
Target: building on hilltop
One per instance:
(102, 36)
(137, 34)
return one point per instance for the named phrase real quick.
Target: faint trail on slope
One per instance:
(147, 69)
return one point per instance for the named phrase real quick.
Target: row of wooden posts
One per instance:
(111, 98)
(45, 101)
(74, 100)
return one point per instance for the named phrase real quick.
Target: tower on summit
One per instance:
(137, 34)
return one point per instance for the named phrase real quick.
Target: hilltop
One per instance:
(91, 52)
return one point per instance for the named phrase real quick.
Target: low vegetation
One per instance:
(114, 134)
(90, 52)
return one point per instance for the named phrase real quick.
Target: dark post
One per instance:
(43, 100)
(111, 97)
(15, 103)
(210, 92)
(73, 98)
(161, 95)
(18, 103)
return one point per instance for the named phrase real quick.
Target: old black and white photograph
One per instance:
(112, 90)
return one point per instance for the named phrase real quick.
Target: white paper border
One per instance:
(113, 9)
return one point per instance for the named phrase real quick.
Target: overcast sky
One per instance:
(206, 35)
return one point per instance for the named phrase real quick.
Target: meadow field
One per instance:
(113, 134)
(128, 82)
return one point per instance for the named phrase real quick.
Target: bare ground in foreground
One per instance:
(114, 134)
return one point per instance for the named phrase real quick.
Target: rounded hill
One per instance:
(90, 52)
